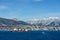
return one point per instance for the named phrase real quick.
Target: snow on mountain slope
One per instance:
(51, 21)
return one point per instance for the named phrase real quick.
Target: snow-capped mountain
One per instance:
(51, 21)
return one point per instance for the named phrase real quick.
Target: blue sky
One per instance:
(28, 9)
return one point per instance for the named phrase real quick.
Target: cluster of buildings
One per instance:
(27, 28)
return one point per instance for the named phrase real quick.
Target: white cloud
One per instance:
(30, 0)
(38, 0)
(3, 7)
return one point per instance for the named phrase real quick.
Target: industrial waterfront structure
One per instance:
(27, 28)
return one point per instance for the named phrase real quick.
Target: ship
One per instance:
(19, 30)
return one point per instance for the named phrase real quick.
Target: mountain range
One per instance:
(10, 22)
(51, 21)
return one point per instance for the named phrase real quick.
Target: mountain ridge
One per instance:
(7, 22)
(51, 21)
(42, 22)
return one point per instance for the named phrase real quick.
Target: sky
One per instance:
(29, 9)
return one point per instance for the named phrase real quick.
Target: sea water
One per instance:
(30, 35)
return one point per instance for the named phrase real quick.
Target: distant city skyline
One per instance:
(29, 9)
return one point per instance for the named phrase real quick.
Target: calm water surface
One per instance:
(31, 35)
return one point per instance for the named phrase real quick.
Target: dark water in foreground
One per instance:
(31, 35)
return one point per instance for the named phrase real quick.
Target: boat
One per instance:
(19, 30)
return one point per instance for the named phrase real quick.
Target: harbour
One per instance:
(28, 28)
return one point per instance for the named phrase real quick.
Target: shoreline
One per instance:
(15, 29)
